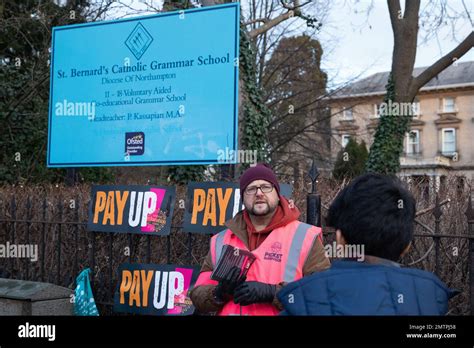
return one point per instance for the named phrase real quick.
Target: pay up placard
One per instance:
(210, 204)
(131, 209)
(155, 289)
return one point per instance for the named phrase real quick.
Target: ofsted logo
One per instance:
(135, 143)
(136, 140)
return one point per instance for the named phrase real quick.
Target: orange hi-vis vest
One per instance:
(280, 258)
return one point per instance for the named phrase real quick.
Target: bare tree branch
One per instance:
(467, 13)
(394, 10)
(270, 24)
(412, 8)
(442, 64)
(263, 20)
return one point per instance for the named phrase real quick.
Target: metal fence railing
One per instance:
(65, 247)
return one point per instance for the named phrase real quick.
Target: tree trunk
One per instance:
(385, 152)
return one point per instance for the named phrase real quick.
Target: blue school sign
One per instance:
(154, 90)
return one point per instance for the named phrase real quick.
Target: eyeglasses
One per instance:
(253, 189)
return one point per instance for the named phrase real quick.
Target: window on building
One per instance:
(347, 114)
(345, 139)
(448, 139)
(448, 104)
(413, 142)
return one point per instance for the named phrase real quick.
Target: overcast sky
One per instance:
(357, 44)
(364, 44)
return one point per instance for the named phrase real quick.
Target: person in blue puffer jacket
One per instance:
(373, 214)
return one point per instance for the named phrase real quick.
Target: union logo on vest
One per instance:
(275, 255)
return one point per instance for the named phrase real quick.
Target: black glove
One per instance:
(225, 289)
(254, 292)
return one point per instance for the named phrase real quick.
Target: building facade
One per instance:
(441, 137)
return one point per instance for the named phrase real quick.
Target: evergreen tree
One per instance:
(25, 39)
(350, 160)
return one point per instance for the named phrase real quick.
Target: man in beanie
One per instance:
(285, 249)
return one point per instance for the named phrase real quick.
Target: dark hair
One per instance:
(376, 211)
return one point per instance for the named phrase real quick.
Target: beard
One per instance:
(261, 209)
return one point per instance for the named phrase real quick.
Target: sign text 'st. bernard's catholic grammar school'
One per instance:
(170, 79)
